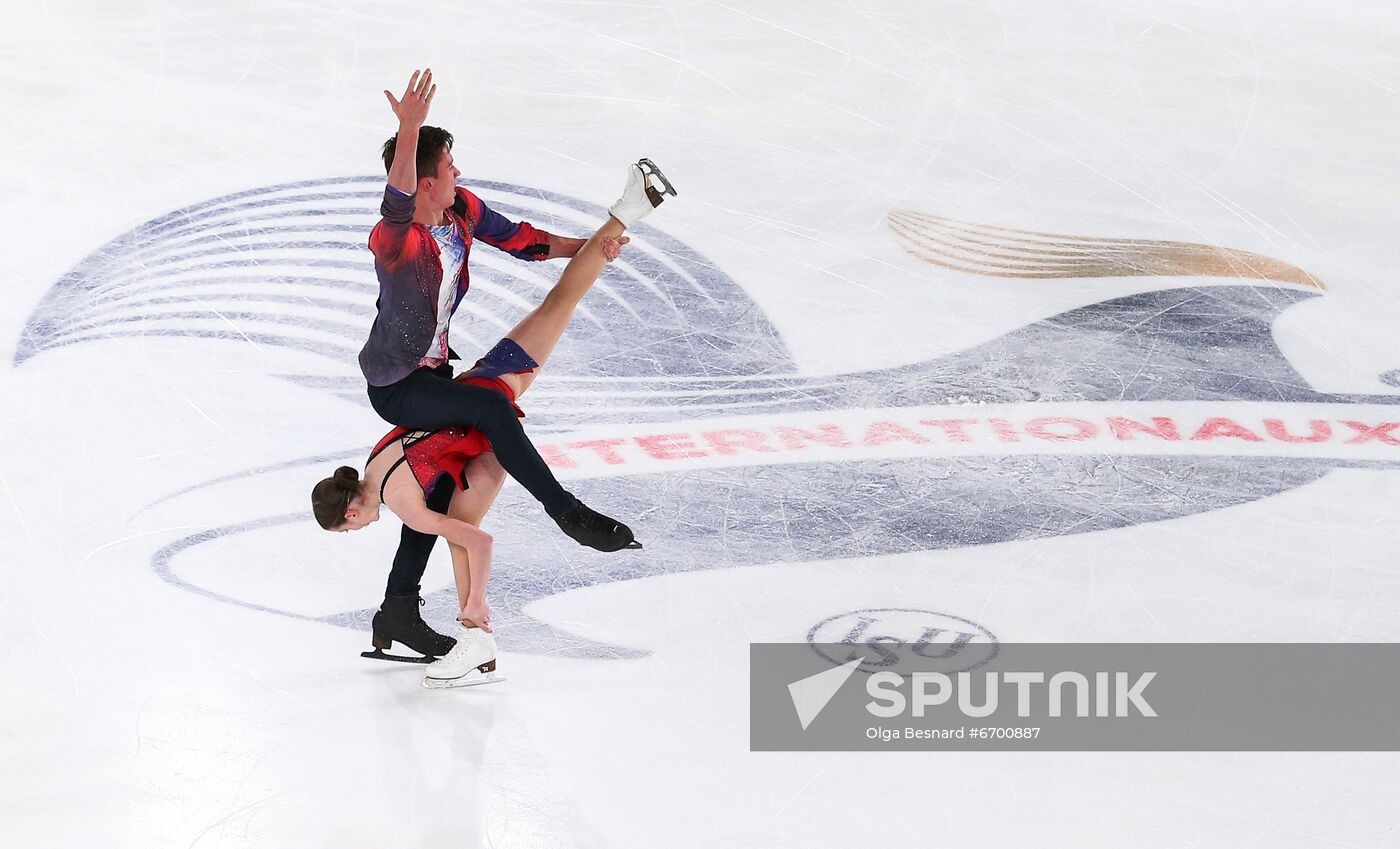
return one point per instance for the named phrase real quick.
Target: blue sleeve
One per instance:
(522, 240)
(397, 208)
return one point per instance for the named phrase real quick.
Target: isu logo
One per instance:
(881, 637)
(679, 406)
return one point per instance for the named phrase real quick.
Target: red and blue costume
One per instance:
(408, 263)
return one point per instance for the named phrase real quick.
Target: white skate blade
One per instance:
(471, 679)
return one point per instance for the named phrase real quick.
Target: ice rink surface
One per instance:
(1073, 321)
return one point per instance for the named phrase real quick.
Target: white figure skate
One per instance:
(646, 188)
(472, 661)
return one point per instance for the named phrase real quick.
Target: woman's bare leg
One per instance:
(485, 478)
(541, 330)
(471, 573)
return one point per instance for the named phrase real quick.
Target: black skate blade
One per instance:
(378, 654)
(649, 169)
(633, 544)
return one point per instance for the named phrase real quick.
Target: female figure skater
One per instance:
(405, 464)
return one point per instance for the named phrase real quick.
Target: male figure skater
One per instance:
(420, 249)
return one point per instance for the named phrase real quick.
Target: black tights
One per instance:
(411, 560)
(430, 400)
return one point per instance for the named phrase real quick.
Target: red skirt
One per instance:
(446, 451)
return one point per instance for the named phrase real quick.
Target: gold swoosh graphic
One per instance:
(1005, 252)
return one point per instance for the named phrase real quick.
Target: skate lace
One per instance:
(597, 522)
(464, 645)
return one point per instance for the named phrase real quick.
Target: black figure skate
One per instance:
(398, 619)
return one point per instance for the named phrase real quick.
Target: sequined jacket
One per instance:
(407, 262)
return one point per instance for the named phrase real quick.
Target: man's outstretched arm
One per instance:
(519, 239)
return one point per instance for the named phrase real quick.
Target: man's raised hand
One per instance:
(412, 108)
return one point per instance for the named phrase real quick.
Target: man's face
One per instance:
(437, 190)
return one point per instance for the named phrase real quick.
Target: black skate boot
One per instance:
(398, 619)
(593, 529)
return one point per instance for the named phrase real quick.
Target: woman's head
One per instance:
(338, 503)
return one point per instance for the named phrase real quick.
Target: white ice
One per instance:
(139, 713)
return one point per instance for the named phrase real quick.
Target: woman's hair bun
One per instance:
(347, 477)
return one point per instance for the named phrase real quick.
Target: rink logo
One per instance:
(890, 638)
(1134, 409)
(972, 248)
(1159, 429)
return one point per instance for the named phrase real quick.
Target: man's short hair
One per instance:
(431, 143)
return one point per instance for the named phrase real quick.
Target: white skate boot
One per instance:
(472, 661)
(646, 188)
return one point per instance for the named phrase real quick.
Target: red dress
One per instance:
(433, 453)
